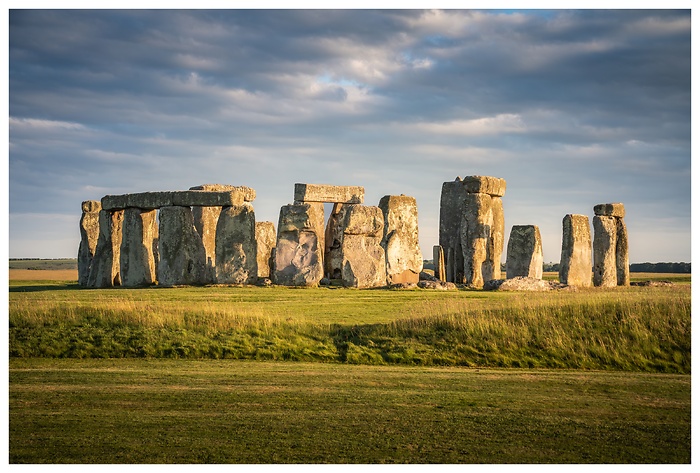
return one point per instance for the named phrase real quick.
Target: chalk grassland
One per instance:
(636, 328)
(183, 411)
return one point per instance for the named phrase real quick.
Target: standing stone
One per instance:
(104, 271)
(492, 269)
(364, 260)
(575, 263)
(439, 262)
(206, 218)
(472, 229)
(622, 262)
(524, 252)
(610, 246)
(475, 233)
(181, 252)
(137, 255)
(604, 245)
(266, 237)
(89, 234)
(236, 246)
(404, 260)
(451, 210)
(299, 249)
(332, 255)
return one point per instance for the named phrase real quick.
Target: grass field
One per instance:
(179, 411)
(189, 375)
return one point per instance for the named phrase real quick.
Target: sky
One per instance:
(571, 107)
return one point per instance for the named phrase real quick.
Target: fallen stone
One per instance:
(425, 276)
(493, 186)
(266, 237)
(299, 249)
(519, 283)
(328, 193)
(182, 258)
(652, 283)
(604, 258)
(89, 234)
(363, 258)
(610, 210)
(404, 260)
(139, 245)
(524, 257)
(104, 270)
(438, 285)
(236, 247)
(575, 264)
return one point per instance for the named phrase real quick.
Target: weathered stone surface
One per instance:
(439, 262)
(181, 252)
(156, 200)
(248, 192)
(332, 255)
(328, 193)
(575, 263)
(91, 206)
(475, 232)
(610, 210)
(622, 262)
(205, 220)
(604, 244)
(104, 270)
(364, 260)
(426, 276)
(266, 237)
(299, 249)
(404, 260)
(524, 257)
(518, 283)
(438, 285)
(491, 268)
(451, 210)
(138, 249)
(493, 186)
(89, 234)
(236, 246)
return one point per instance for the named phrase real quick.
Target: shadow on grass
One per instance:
(45, 287)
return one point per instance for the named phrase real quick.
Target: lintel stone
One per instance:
(610, 210)
(328, 193)
(493, 186)
(156, 200)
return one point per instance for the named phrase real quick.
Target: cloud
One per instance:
(579, 107)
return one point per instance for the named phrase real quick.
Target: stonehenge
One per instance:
(610, 246)
(524, 257)
(472, 229)
(208, 234)
(575, 263)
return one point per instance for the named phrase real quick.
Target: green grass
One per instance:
(45, 264)
(634, 329)
(178, 411)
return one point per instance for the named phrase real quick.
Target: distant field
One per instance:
(43, 275)
(45, 264)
